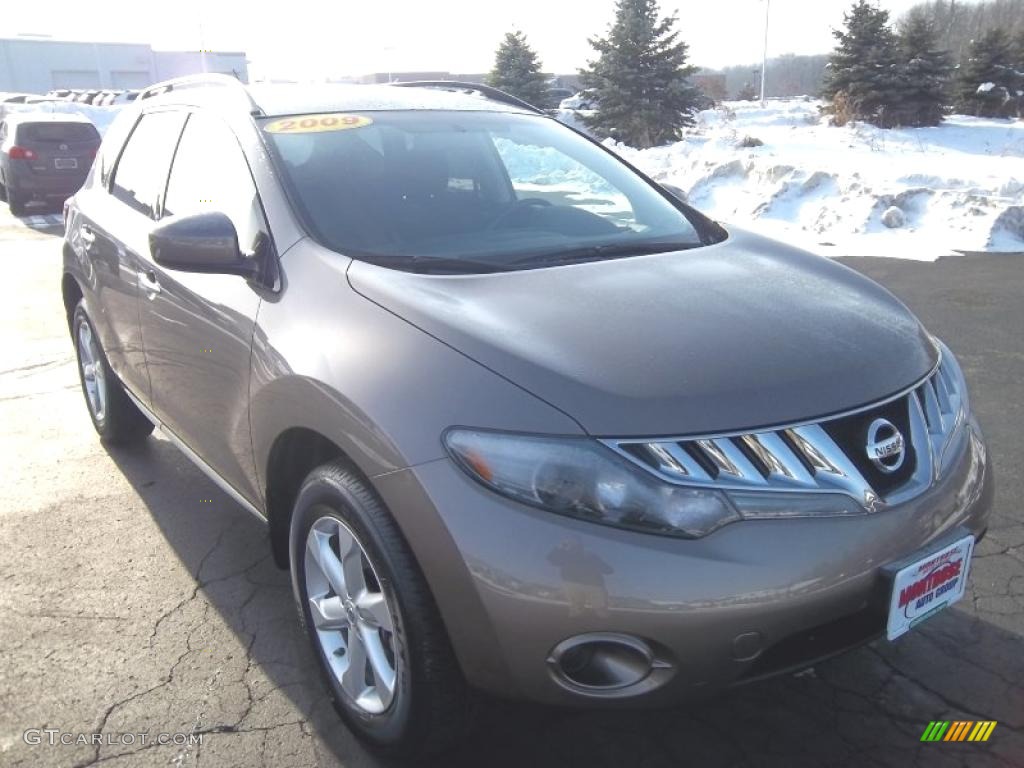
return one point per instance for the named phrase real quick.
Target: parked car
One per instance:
(579, 445)
(577, 102)
(44, 156)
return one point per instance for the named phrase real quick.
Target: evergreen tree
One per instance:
(923, 75)
(747, 93)
(862, 79)
(639, 79)
(987, 83)
(517, 71)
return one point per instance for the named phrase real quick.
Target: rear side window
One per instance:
(141, 172)
(210, 173)
(113, 140)
(53, 133)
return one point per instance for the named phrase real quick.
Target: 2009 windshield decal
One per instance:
(317, 123)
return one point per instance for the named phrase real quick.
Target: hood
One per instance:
(744, 334)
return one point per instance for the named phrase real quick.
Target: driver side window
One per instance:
(210, 173)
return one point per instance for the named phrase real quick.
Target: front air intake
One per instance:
(607, 664)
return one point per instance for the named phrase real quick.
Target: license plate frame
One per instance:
(928, 583)
(65, 163)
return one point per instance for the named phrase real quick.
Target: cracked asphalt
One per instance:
(136, 597)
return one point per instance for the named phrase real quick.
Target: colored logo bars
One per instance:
(960, 730)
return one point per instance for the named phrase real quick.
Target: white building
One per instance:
(37, 65)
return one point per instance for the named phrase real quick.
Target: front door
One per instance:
(197, 329)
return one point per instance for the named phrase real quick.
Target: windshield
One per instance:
(468, 191)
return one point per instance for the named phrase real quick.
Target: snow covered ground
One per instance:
(957, 187)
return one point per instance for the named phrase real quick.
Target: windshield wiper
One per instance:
(446, 264)
(599, 252)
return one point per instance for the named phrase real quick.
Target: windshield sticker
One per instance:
(317, 123)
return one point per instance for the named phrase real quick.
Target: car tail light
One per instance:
(21, 153)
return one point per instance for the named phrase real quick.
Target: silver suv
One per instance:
(518, 419)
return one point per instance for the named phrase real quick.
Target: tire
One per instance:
(15, 203)
(430, 704)
(116, 418)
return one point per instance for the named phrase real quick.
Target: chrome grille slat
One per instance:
(804, 457)
(784, 466)
(931, 408)
(831, 465)
(675, 460)
(729, 461)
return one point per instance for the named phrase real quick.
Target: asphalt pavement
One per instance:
(136, 597)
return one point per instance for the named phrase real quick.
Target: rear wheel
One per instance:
(114, 415)
(372, 621)
(16, 202)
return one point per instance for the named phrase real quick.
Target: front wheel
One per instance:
(373, 624)
(116, 418)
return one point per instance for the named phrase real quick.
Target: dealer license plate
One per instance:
(924, 588)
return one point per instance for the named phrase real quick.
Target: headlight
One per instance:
(582, 478)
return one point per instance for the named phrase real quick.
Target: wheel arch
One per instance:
(293, 455)
(72, 293)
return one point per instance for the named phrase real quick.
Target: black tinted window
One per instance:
(210, 174)
(142, 170)
(57, 132)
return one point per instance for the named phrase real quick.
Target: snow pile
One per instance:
(915, 193)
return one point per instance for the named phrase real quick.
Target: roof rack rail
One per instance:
(208, 80)
(484, 90)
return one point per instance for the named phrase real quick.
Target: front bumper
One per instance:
(752, 599)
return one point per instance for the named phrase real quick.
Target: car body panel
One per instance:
(665, 344)
(197, 332)
(108, 273)
(371, 382)
(693, 598)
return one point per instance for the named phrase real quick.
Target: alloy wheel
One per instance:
(351, 616)
(92, 371)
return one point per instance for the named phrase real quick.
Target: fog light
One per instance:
(602, 661)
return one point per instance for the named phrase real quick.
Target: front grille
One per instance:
(827, 455)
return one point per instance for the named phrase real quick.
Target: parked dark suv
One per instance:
(44, 157)
(518, 419)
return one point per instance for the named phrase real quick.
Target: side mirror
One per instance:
(675, 191)
(201, 242)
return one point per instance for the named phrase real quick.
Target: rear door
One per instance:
(117, 215)
(60, 149)
(198, 328)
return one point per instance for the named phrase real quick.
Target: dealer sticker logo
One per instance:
(958, 730)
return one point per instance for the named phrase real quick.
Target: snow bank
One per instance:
(959, 187)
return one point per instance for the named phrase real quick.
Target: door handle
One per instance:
(149, 283)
